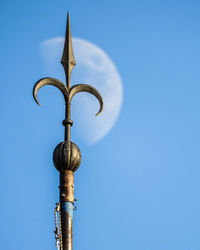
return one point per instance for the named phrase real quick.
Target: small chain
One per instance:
(58, 234)
(61, 245)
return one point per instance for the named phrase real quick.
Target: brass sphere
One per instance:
(67, 156)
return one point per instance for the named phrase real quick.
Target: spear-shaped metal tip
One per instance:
(68, 60)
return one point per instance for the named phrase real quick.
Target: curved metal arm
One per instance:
(50, 81)
(86, 88)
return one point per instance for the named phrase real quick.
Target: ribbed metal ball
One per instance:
(67, 156)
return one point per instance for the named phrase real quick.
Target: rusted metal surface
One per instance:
(66, 186)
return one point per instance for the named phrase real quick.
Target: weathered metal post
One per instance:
(66, 156)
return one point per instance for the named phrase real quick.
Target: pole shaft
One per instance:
(67, 225)
(67, 206)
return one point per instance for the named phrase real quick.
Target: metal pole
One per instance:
(67, 207)
(67, 156)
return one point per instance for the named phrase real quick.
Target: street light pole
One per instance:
(66, 156)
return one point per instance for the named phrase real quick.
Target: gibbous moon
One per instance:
(93, 67)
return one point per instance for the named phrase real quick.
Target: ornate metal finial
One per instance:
(68, 63)
(67, 156)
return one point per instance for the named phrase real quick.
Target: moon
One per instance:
(93, 67)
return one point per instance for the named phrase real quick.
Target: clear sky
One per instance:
(137, 188)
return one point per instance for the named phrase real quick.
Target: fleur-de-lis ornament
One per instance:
(67, 156)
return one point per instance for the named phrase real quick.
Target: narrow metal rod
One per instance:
(68, 76)
(68, 120)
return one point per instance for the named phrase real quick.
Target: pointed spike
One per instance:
(68, 60)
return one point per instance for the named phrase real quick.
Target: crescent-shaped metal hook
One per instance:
(86, 88)
(49, 81)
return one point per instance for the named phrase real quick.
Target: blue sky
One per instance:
(138, 187)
